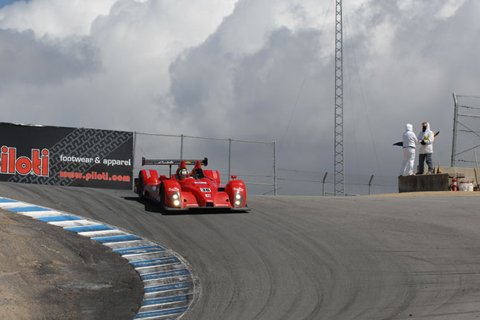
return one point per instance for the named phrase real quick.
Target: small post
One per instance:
(134, 146)
(476, 171)
(274, 168)
(454, 139)
(370, 184)
(229, 157)
(181, 147)
(323, 183)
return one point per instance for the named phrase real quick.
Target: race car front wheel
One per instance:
(162, 194)
(140, 186)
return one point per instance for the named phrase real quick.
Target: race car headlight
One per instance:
(175, 199)
(238, 200)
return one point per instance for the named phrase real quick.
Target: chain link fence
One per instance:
(298, 182)
(254, 162)
(466, 136)
(251, 161)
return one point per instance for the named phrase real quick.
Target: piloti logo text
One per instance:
(37, 164)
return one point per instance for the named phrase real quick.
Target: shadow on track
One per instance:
(151, 206)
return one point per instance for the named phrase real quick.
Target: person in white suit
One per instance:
(425, 139)
(409, 144)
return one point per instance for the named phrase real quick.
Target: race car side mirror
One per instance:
(234, 177)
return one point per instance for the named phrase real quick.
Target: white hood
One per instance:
(428, 138)
(409, 138)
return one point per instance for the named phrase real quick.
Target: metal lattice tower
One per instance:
(339, 166)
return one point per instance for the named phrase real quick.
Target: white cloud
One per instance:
(104, 58)
(54, 18)
(449, 8)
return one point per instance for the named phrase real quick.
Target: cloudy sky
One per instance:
(244, 69)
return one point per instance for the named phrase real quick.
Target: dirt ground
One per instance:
(49, 273)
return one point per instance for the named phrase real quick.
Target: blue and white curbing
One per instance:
(168, 284)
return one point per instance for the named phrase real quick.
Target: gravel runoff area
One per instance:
(49, 273)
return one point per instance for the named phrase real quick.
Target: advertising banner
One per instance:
(66, 156)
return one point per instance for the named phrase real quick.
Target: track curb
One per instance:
(167, 281)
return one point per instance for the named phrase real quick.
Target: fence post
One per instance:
(134, 148)
(229, 157)
(181, 147)
(454, 139)
(274, 168)
(370, 184)
(323, 183)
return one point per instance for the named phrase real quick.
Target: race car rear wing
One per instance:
(171, 162)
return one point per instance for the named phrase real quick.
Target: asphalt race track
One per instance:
(298, 258)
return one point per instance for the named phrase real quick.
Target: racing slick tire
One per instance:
(140, 186)
(162, 195)
(164, 208)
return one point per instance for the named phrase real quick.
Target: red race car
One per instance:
(183, 191)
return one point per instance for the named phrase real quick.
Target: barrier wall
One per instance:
(66, 156)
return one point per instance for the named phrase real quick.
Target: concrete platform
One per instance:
(438, 182)
(424, 182)
(428, 194)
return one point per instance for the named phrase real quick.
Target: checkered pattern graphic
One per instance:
(86, 143)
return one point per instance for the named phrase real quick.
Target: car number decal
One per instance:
(205, 189)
